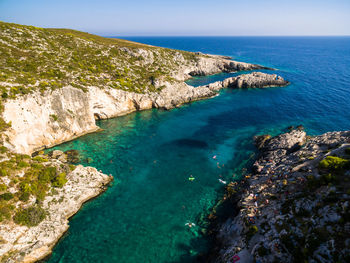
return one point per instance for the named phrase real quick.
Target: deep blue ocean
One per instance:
(151, 154)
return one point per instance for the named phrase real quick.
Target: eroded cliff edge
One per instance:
(295, 205)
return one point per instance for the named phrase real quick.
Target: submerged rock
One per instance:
(72, 156)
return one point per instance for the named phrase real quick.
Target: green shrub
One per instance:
(40, 159)
(286, 206)
(3, 172)
(5, 211)
(47, 174)
(59, 180)
(3, 149)
(6, 196)
(3, 187)
(24, 197)
(333, 163)
(36, 165)
(30, 216)
(22, 164)
(4, 95)
(25, 187)
(54, 117)
(39, 190)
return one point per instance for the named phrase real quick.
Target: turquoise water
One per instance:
(151, 154)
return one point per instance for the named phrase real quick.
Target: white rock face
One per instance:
(32, 244)
(44, 120)
(252, 80)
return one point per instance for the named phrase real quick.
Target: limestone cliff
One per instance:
(39, 120)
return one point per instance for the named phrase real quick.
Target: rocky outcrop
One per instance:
(30, 244)
(252, 80)
(44, 120)
(294, 209)
(211, 64)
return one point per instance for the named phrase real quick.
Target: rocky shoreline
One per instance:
(294, 207)
(30, 244)
(68, 113)
(251, 80)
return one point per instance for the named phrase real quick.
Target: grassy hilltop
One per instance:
(39, 59)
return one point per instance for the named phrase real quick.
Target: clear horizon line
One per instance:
(116, 36)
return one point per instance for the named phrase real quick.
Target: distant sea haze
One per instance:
(152, 154)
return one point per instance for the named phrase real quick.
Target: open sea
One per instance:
(151, 154)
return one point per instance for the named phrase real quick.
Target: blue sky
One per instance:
(180, 17)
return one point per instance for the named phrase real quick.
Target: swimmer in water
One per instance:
(222, 181)
(189, 224)
(191, 178)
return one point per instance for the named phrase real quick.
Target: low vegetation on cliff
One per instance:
(42, 59)
(24, 183)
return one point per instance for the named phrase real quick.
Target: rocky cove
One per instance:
(29, 133)
(42, 119)
(70, 111)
